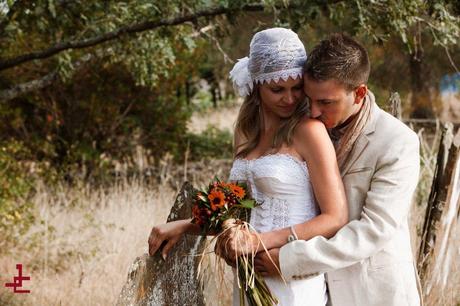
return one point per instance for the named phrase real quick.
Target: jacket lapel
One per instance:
(362, 141)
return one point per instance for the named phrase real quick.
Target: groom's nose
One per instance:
(315, 111)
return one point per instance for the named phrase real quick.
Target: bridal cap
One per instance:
(274, 54)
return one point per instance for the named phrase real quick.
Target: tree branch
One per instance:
(43, 82)
(23, 88)
(134, 28)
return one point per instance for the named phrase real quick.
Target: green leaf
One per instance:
(52, 8)
(248, 203)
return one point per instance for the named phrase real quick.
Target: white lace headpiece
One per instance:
(274, 54)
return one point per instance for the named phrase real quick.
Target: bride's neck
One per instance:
(269, 123)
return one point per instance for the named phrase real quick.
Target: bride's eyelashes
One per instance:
(276, 89)
(281, 89)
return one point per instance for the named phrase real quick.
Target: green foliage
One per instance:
(212, 143)
(409, 19)
(36, 25)
(15, 186)
(108, 99)
(149, 55)
(202, 101)
(101, 112)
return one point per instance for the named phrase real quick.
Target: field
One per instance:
(80, 249)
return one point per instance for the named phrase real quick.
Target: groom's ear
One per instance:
(360, 93)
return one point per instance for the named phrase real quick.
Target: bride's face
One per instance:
(281, 98)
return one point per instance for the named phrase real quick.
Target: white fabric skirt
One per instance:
(311, 292)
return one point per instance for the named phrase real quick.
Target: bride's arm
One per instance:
(312, 142)
(170, 233)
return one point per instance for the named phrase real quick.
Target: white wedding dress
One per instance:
(281, 182)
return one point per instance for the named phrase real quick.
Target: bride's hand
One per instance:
(170, 232)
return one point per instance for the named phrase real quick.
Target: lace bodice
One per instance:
(282, 184)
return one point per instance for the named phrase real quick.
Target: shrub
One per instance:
(212, 143)
(15, 187)
(101, 111)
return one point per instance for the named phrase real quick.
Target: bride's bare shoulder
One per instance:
(311, 139)
(308, 127)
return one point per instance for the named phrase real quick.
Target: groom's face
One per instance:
(330, 101)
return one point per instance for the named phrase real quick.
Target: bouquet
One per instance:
(219, 208)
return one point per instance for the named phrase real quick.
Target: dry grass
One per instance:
(223, 119)
(89, 238)
(81, 251)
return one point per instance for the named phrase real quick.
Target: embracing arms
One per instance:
(311, 143)
(385, 210)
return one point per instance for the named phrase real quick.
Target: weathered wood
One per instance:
(438, 218)
(445, 249)
(395, 105)
(153, 281)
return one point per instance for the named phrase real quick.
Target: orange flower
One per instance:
(217, 199)
(237, 190)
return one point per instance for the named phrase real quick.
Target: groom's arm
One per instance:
(386, 207)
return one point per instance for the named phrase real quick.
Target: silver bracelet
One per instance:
(293, 235)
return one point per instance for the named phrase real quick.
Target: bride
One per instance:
(287, 159)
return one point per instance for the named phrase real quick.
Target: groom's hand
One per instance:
(266, 266)
(221, 248)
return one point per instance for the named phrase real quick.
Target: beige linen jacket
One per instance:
(369, 261)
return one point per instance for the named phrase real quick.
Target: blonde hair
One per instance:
(249, 124)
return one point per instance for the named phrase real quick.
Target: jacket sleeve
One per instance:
(386, 207)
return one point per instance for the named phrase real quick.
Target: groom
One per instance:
(369, 261)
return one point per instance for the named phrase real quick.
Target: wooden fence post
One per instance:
(441, 214)
(395, 105)
(153, 281)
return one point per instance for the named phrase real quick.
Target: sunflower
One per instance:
(217, 199)
(237, 190)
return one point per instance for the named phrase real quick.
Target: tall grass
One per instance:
(87, 238)
(82, 249)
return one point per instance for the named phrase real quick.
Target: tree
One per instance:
(418, 24)
(55, 27)
(46, 45)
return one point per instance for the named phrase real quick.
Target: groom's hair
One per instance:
(341, 58)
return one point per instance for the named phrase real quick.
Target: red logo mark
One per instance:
(17, 281)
